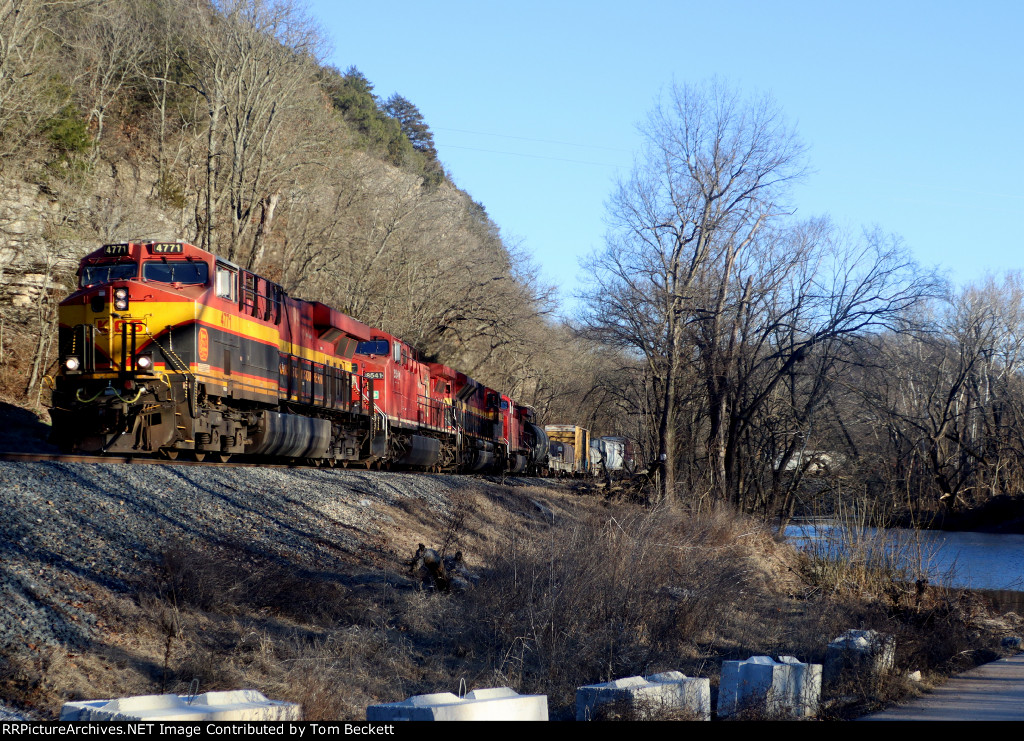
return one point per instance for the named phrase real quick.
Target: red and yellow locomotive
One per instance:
(166, 348)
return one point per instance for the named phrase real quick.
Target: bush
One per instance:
(68, 132)
(601, 598)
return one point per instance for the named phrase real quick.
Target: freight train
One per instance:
(573, 452)
(167, 349)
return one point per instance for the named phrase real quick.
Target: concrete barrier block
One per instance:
(762, 685)
(495, 703)
(858, 652)
(658, 695)
(245, 705)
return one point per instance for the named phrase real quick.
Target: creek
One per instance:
(987, 562)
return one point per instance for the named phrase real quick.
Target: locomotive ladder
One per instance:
(379, 425)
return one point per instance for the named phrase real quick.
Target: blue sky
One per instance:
(911, 110)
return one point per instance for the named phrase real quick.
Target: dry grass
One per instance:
(617, 592)
(572, 591)
(879, 577)
(640, 710)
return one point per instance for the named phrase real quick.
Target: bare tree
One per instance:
(715, 171)
(737, 312)
(249, 61)
(950, 397)
(24, 57)
(107, 43)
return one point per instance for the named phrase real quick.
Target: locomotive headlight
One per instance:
(121, 293)
(121, 299)
(72, 364)
(145, 362)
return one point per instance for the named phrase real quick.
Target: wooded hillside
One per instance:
(218, 123)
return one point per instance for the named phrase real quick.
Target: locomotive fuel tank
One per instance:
(422, 451)
(290, 436)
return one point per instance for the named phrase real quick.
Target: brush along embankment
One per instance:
(120, 580)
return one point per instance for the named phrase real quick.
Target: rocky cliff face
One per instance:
(29, 263)
(43, 233)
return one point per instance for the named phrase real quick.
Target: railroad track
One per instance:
(136, 460)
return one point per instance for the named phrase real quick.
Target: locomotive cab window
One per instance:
(190, 273)
(227, 280)
(373, 347)
(92, 275)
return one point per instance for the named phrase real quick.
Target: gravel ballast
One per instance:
(72, 531)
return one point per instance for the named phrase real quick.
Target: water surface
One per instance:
(963, 560)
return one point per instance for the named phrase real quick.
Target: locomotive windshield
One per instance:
(93, 275)
(180, 271)
(373, 347)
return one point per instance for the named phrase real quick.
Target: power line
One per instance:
(530, 139)
(531, 156)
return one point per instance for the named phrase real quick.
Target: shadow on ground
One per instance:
(21, 431)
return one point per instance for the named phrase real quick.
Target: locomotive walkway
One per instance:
(991, 692)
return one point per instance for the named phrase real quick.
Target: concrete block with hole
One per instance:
(762, 686)
(242, 705)
(859, 653)
(496, 703)
(659, 696)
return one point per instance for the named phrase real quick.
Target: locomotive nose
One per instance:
(99, 334)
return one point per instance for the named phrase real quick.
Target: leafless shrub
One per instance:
(601, 598)
(941, 634)
(858, 694)
(454, 520)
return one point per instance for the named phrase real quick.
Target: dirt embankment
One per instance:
(119, 580)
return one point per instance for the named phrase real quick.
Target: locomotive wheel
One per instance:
(199, 456)
(224, 457)
(171, 455)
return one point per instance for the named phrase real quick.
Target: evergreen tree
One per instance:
(352, 95)
(413, 125)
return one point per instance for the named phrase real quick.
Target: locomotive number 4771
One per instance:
(166, 348)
